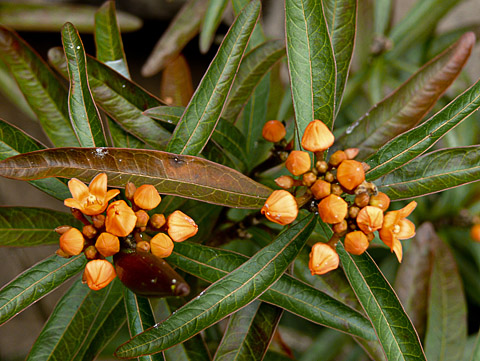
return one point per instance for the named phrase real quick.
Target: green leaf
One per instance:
(289, 293)
(433, 172)
(204, 110)
(311, 63)
(382, 16)
(24, 227)
(341, 17)
(121, 99)
(447, 310)
(44, 93)
(476, 349)
(52, 16)
(253, 68)
(405, 107)
(186, 176)
(392, 325)
(225, 296)
(81, 107)
(182, 29)
(74, 323)
(249, 333)
(140, 317)
(36, 282)
(14, 141)
(443, 40)
(210, 23)
(108, 40)
(122, 139)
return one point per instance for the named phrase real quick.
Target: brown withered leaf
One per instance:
(176, 87)
(184, 176)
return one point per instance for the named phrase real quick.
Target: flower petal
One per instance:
(112, 193)
(72, 203)
(98, 186)
(405, 211)
(386, 235)
(78, 189)
(397, 248)
(407, 229)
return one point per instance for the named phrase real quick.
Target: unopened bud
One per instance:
(147, 197)
(350, 174)
(90, 252)
(280, 207)
(121, 219)
(142, 218)
(273, 131)
(62, 254)
(130, 190)
(320, 189)
(285, 181)
(317, 137)
(157, 220)
(180, 226)
(72, 242)
(98, 221)
(62, 229)
(89, 231)
(321, 166)
(161, 245)
(341, 227)
(338, 157)
(475, 232)
(298, 162)
(351, 152)
(107, 244)
(356, 242)
(329, 177)
(143, 246)
(381, 200)
(337, 189)
(98, 274)
(353, 212)
(309, 178)
(361, 200)
(323, 259)
(332, 209)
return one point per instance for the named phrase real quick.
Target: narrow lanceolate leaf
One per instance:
(140, 317)
(24, 226)
(253, 68)
(176, 87)
(404, 108)
(74, 323)
(446, 307)
(433, 172)
(182, 29)
(122, 139)
(120, 98)
(81, 107)
(212, 19)
(341, 17)
(204, 110)
(108, 39)
(185, 176)
(44, 93)
(476, 349)
(249, 333)
(311, 62)
(289, 293)
(36, 282)
(392, 325)
(225, 296)
(14, 141)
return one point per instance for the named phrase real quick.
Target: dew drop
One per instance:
(78, 47)
(174, 281)
(352, 127)
(123, 85)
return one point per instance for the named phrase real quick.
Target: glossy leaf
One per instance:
(311, 62)
(185, 176)
(253, 68)
(382, 16)
(120, 98)
(182, 29)
(341, 17)
(52, 16)
(140, 317)
(108, 40)
(289, 293)
(25, 227)
(249, 333)
(433, 172)
(447, 310)
(405, 107)
(225, 296)
(392, 325)
(74, 323)
(204, 110)
(476, 349)
(81, 107)
(122, 139)
(37, 282)
(210, 23)
(14, 141)
(176, 87)
(44, 93)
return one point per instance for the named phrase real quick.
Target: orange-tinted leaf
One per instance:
(176, 88)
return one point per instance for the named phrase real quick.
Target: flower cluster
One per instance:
(116, 225)
(340, 194)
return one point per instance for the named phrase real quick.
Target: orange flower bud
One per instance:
(157, 220)
(62, 229)
(121, 219)
(317, 137)
(340, 227)
(338, 157)
(356, 242)
(280, 207)
(309, 178)
(62, 254)
(329, 177)
(107, 244)
(321, 166)
(323, 259)
(337, 189)
(380, 200)
(90, 252)
(89, 231)
(370, 219)
(332, 209)
(98, 221)
(161, 245)
(475, 232)
(298, 162)
(147, 197)
(362, 199)
(351, 152)
(320, 189)
(143, 246)
(285, 181)
(72, 242)
(350, 174)
(98, 274)
(353, 211)
(180, 226)
(142, 218)
(130, 190)
(273, 131)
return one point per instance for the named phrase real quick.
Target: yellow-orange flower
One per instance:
(180, 226)
(475, 232)
(107, 244)
(93, 199)
(370, 219)
(332, 209)
(147, 197)
(121, 219)
(280, 207)
(380, 200)
(323, 259)
(356, 242)
(320, 189)
(98, 274)
(161, 245)
(396, 226)
(350, 174)
(317, 137)
(72, 242)
(273, 131)
(298, 162)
